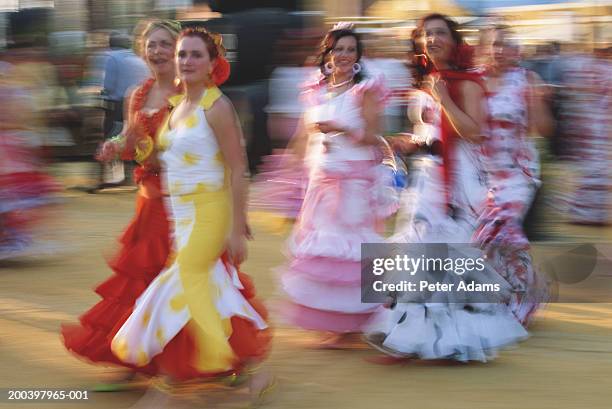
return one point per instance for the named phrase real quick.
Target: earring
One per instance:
(356, 68)
(177, 82)
(328, 69)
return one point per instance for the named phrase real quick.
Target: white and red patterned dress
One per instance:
(512, 166)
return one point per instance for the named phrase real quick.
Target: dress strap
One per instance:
(210, 97)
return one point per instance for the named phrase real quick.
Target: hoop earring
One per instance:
(328, 69)
(356, 68)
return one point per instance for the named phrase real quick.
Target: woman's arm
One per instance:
(224, 122)
(121, 145)
(467, 115)
(538, 112)
(370, 110)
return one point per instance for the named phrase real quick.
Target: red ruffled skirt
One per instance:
(145, 247)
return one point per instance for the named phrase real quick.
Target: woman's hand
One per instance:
(439, 90)
(108, 151)
(237, 248)
(403, 143)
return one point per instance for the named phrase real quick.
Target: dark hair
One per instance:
(212, 40)
(462, 58)
(419, 61)
(329, 42)
(119, 40)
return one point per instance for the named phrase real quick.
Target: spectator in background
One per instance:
(585, 118)
(123, 70)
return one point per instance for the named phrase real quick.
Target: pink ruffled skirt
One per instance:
(322, 280)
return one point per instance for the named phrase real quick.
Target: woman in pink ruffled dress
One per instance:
(345, 198)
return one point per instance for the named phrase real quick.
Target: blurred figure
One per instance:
(146, 242)
(123, 70)
(24, 187)
(381, 62)
(423, 146)
(280, 185)
(199, 318)
(586, 123)
(449, 195)
(516, 106)
(341, 208)
(285, 107)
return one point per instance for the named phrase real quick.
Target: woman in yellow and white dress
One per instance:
(199, 318)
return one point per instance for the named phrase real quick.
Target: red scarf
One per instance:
(453, 81)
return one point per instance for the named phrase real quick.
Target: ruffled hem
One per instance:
(310, 243)
(143, 255)
(445, 331)
(170, 340)
(326, 270)
(248, 343)
(342, 298)
(145, 243)
(319, 320)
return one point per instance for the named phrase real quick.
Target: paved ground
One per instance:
(566, 364)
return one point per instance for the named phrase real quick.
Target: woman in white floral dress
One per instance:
(516, 107)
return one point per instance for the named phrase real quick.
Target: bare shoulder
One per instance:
(221, 110)
(471, 89)
(222, 106)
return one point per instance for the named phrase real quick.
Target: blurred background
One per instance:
(54, 53)
(60, 46)
(53, 104)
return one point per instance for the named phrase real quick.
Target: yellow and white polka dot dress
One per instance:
(199, 292)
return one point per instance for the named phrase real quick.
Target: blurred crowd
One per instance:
(355, 135)
(71, 100)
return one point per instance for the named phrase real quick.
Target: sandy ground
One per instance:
(567, 362)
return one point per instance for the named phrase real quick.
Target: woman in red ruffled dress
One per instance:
(146, 242)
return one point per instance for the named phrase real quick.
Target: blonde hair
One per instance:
(172, 27)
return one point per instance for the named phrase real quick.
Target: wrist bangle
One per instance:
(143, 149)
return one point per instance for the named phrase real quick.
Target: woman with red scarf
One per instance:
(443, 206)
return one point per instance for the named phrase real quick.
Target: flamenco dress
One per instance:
(512, 167)
(345, 200)
(145, 246)
(444, 325)
(199, 317)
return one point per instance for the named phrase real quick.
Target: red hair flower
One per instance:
(221, 72)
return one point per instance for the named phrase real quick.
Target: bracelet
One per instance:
(143, 149)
